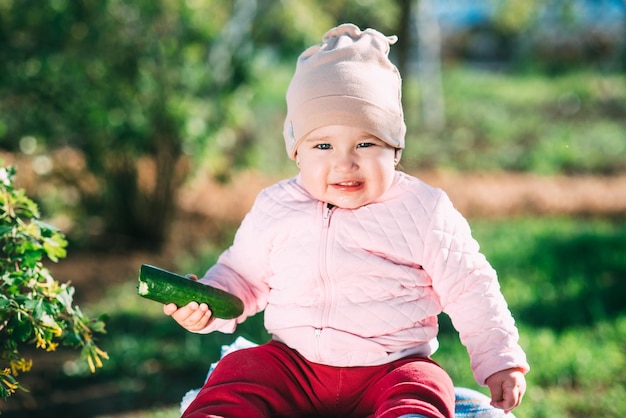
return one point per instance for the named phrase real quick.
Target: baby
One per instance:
(351, 261)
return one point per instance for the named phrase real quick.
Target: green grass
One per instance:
(573, 123)
(563, 279)
(559, 272)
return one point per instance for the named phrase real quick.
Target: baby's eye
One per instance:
(365, 145)
(323, 146)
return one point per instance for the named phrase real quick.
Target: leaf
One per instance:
(66, 298)
(98, 326)
(44, 226)
(23, 330)
(5, 230)
(54, 247)
(31, 258)
(72, 339)
(6, 176)
(34, 306)
(24, 207)
(32, 231)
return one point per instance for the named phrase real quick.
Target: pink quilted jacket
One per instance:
(364, 286)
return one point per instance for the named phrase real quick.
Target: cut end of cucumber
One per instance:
(142, 288)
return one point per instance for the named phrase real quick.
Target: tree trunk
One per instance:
(403, 31)
(140, 217)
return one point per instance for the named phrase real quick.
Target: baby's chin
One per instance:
(349, 203)
(347, 200)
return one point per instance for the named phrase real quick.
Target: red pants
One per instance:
(273, 380)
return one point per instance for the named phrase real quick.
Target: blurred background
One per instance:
(144, 129)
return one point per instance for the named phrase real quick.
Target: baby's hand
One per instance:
(507, 389)
(193, 317)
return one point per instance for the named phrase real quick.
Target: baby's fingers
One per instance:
(169, 309)
(196, 312)
(509, 398)
(194, 316)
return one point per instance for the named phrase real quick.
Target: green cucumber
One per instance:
(167, 287)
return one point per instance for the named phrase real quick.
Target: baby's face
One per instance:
(345, 166)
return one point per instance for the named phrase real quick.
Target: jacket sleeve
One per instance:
(243, 269)
(470, 294)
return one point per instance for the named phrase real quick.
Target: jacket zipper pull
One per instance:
(327, 211)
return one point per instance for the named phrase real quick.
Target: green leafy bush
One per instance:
(35, 309)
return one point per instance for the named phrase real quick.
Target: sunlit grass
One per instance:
(573, 123)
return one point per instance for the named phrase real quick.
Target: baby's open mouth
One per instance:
(349, 183)
(348, 186)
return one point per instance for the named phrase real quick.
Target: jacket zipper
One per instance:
(323, 268)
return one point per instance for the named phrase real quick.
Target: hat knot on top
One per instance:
(347, 80)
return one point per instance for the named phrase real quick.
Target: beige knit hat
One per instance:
(347, 80)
